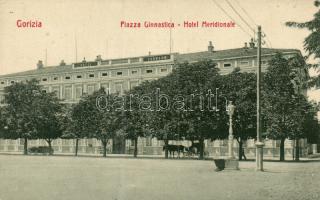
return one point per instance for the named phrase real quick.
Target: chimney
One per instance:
(149, 53)
(62, 63)
(210, 47)
(245, 45)
(251, 43)
(84, 59)
(39, 64)
(98, 58)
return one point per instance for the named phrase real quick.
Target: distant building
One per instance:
(71, 81)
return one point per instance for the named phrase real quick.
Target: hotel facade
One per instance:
(71, 81)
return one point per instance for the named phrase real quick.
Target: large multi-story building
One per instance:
(71, 81)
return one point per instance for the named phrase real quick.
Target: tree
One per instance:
(306, 122)
(163, 119)
(135, 120)
(240, 88)
(204, 122)
(3, 122)
(67, 124)
(312, 41)
(145, 118)
(74, 125)
(21, 104)
(135, 126)
(190, 116)
(49, 116)
(311, 127)
(98, 116)
(283, 106)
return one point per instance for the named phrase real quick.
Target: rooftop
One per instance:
(185, 57)
(230, 53)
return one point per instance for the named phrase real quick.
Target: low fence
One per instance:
(216, 148)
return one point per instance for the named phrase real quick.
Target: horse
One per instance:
(174, 148)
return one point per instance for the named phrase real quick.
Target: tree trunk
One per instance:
(282, 149)
(240, 148)
(104, 144)
(166, 142)
(297, 146)
(135, 152)
(77, 146)
(25, 146)
(50, 147)
(201, 153)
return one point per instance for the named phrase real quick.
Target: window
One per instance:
(91, 75)
(244, 63)
(118, 88)
(105, 86)
(55, 78)
(134, 72)
(104, 74)
(79, 76)
(133, 84)
(12, 82)
(68, 93)
(44, 91)
(90, 89)
(163, 70)
(2, 82)
(264, 62)
(44, 79)
(227, 65)
(149, 71)
(119, 73)
(78, 92)
(67, 77)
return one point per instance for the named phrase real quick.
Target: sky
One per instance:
(96, 26)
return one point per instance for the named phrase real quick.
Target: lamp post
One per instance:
(231, 163)
(230, 110)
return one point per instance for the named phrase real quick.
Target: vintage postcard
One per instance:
(159, 99)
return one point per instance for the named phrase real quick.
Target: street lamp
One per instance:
(230, 110)
(231, 163)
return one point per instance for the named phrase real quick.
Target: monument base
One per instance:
(231, 164)
(228, 164)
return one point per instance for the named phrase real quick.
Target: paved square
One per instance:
(84, 178)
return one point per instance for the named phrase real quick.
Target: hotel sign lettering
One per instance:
(156, 58)
(85, 64)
